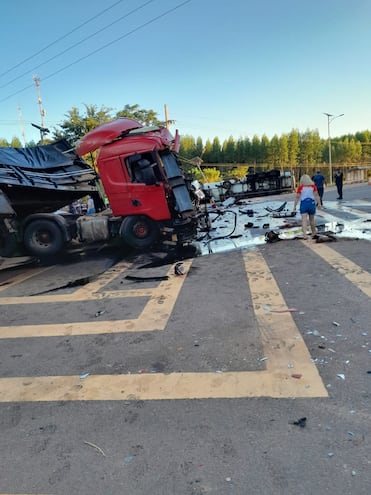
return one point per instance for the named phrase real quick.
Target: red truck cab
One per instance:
(142, 179)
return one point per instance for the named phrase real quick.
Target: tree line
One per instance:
(285, 151)
(295, 149)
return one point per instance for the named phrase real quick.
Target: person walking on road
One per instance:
(308, 196)
(339, 182)
(319, 181)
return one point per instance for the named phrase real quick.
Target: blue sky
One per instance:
(224, 68)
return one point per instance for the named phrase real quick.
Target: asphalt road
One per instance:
(136, 381)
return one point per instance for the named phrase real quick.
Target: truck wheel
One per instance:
(139, 232)
(43, 238)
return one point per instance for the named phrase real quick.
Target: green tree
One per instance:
(3, 143)
(273, 151)
(215, 152)
(310, 147)
(283, 158)
(145, 117)
(199, 147)
(348, 150)
(207, 152)
(364, 138)
(229, 150)
(247, 158)
(76, 125)
(187, 147)
(294, 148)
(264, 149)
(15, 142)
(212, 174)
(239, 172)
(240, 151)
(255, 149)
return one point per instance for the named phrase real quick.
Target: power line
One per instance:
(154, 19)
(78, 43)
(60, 39)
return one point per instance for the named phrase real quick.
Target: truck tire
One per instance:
(43, 238)
(139, 232)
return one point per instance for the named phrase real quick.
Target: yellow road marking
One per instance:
(284, 349)
(153, 317)
(103, 280)
(88, 292)
(159, 386)
(354, 273)
(73, 297)
(283, 344)
(24, 276)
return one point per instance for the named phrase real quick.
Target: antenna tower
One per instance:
(39, 100)
(21, 123)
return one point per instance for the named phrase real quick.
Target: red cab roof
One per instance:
(105, 134)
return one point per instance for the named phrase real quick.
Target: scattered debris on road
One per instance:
(95, 447)
(300, 422)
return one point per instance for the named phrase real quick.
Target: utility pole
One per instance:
(43, 130)
(21, 123)
(168, 122)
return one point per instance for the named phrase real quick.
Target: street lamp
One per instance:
(330, 118)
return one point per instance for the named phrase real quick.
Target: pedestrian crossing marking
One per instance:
(22, 277)
(284, 350)
(153, 317)
(351, 271)
(95, 296)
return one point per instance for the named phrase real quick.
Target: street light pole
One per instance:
(330, 118)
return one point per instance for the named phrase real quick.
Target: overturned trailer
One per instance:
(253, 185)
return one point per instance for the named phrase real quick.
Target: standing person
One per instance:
(339, 182)
(91, 206)
(319, 181)
(308, 196)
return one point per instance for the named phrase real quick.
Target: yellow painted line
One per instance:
(114, 294)
(352, 272)
(284, 349)
(282, 342)
(157, 386)
(90, 291)
(86, 292)
(154, 316)
(24, 276)
(103, 280)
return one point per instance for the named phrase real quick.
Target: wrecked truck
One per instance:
(138, 173)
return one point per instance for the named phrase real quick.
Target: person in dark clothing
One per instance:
(319, 181)
(339, 183)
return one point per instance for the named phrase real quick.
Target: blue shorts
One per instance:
(308, 206)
